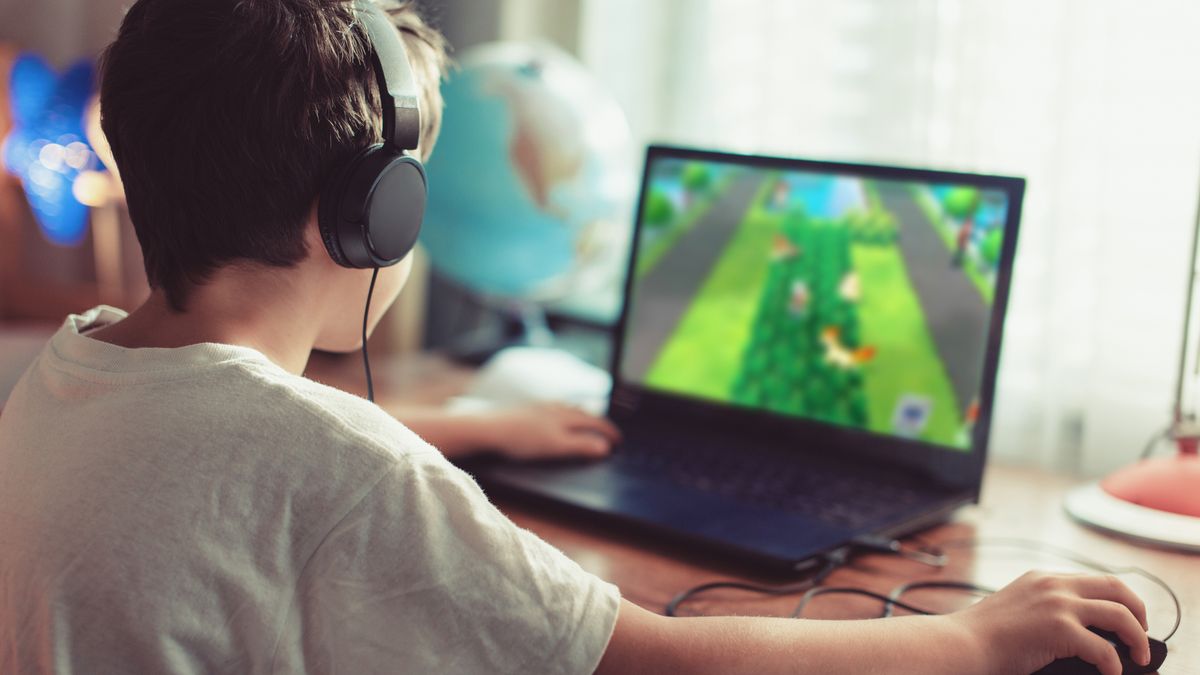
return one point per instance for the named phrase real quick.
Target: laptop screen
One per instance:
(827, 294)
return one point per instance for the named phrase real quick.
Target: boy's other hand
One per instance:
(549, 431)
(1043, 617)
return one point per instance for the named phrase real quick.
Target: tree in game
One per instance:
(962, 203)
(697, 177)
(659, 209)
(990, 248)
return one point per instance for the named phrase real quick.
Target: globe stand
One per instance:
(534, 327)
(503, 323)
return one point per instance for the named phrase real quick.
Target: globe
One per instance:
(531, 182)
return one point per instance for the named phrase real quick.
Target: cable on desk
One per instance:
(923, 553)
(900, 590)
(932, 553)
(831, 561)
(1082, 561)
(849, 590)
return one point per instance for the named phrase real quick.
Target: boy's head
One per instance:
(226, 117)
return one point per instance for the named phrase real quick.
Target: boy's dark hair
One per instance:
(226, 116)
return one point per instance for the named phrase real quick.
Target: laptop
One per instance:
(806, 354)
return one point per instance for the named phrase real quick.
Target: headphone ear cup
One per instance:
(394, 208)
(329, 205)
(371, 210)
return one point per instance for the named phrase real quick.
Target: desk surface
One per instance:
(1016, 503)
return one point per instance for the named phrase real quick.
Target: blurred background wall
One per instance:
(61, 30)
(40, 281)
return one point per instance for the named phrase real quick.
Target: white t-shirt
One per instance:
(200, 510)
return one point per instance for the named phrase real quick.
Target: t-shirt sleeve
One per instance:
(426, 575)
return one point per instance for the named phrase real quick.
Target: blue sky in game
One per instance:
(822, 195)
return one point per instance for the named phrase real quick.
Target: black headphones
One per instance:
(370, 209)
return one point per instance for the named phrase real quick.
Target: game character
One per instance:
(800, 297)
(839, 354)
(781, 195)
(849, 289)
(962, 241)
(782, 248)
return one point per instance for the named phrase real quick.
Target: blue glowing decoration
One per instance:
(47, 148)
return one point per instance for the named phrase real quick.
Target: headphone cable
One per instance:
(366, 360)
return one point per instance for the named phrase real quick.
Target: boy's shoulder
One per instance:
(225, 402)
(333, 419)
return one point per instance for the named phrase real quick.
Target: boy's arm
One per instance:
(648, 643)
(537, 431)
(1028, 624)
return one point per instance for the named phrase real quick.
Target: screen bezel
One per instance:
(950, 466)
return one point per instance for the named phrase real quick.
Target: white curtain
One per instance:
(1095, 102)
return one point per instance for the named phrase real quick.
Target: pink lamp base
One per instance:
(1170, 484)
(1156, 501)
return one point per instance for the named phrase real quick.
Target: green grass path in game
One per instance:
(704, 354)
(906, 361)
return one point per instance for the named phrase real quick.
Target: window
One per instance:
(1095, 102)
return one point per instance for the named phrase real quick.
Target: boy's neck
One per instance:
(226, 310)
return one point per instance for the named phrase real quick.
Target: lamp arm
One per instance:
(1178, 421)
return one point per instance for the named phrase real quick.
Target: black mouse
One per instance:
(1077, 666)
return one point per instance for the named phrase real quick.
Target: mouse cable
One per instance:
(892, 599)
(1094, 565)
(849, 590)
(367, 361)
(832, 561)
(924, 554)
(890, 604)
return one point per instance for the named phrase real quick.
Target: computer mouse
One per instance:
(1077, 666)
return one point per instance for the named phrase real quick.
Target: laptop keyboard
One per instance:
(847, 496)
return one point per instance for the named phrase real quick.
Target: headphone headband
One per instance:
(394, 75)
(370, 209)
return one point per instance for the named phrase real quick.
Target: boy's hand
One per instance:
(549, 431)
(1043, 617)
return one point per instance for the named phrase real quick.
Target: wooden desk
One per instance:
(1017, 502)
(1024, 503)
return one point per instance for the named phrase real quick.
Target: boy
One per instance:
(174, 497)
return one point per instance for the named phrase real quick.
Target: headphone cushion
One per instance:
(329, 205)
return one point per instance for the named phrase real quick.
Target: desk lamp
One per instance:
(1157, 500)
